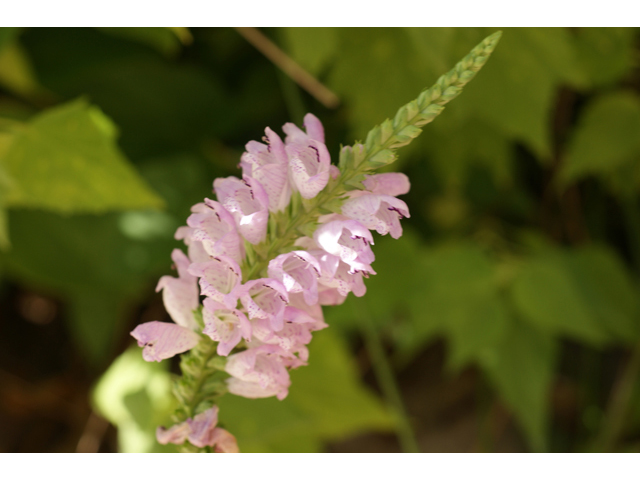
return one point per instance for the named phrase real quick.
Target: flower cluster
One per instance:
(264, 324)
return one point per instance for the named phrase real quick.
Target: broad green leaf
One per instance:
(607, 54)
(521, 367)
(515, 92)
(66, 159)
(608, 290)
(135, 396)
(326, 402)
(607, 137)
(313, 48)
(546, 295)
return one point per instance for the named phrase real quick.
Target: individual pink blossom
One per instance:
(258, 372)
(218, 279)
(269, 165)
(393, 184)
(343, 280)
(381, 213)
(265, 298)
(180, 295)
(298, 271)
(224, 325)
(349, 241)
(196, 251)
(201, 431)
(248, 202)
(216, 229)
(163, 340)
(309, 160)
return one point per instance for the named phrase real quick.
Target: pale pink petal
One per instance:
(393, 184)
(298, 271)
(269, 165)
(265, 298)
(348, 240)
(248, 202)
(176, 434)
(314, 127)
(224, 325)
(224, 441)
(202, 427)
(215, 227)
(180, 295)
(218, 279)
(377, 212)
(163, 340)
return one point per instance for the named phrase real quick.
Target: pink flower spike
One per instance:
(163, 340)
(265, 298)
(309, 159)
(197, 253)
(248, 202)
(381, 213)
(269, 165)
(216, 229)
(298, 271)
(393, 184)
(180, 295)
(218, 279)
(224, 325)
(349, 241)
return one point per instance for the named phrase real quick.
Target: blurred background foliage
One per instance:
(516, 282)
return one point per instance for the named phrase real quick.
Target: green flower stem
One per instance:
(386, 380)
(202, 382)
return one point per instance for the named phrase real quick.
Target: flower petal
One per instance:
(163, 340)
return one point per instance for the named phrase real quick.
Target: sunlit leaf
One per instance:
(66, 159)
(135, 396)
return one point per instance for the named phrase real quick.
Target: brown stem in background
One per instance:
(285, 63)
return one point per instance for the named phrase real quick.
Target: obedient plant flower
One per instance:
(201, 431)
(269, 165)
(309, 159)
(215, 227)
(266, 261)
(247, 201)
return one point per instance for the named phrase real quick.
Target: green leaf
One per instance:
(547, 296)
(313, 48)
(607, 137)
(164, 40)
(521, 367)
(515, 92)
(66, 159)
(16, 72)
(326, 402)
(608, 290)
(135, 396)
(607, 54)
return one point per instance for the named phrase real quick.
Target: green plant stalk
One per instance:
(386, 380)
(377, 151)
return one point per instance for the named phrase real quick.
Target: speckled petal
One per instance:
(163, 340)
